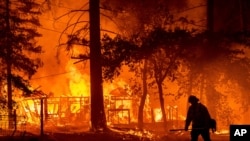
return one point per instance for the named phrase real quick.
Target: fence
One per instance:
(12, 125)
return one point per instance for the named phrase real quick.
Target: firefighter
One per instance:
(199, 116)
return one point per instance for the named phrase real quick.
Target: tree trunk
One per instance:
(213, 97)
(190, 86)
(164, 117)
(202, 87)
(98, 118)
(8, 62)
(243, 6)
(144, 95)
(210, 15)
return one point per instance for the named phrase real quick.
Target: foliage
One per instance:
(115, 53)
(238, 73)
(226, 114)
(142, 14)
(3, 105)
(212, 57)
(18, 35)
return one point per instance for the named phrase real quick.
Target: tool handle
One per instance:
(184, 129)
(177, 129)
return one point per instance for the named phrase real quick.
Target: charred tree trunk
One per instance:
(202, 87)
(213, 97)
(98, 118)
(161, 97)
(210, 15)
(190, 86)
(243, 6)
(144, 95)
(8, 61)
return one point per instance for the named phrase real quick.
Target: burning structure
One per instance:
(72, 113)
(75, 110)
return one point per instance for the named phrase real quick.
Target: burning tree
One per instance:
(19, 20)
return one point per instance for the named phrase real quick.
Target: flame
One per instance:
(157, 114)
(78, 83)
(117, 95)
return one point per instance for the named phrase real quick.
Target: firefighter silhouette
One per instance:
(201, 121)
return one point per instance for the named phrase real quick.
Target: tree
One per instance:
(165, 58)
(160, 52)
(236, 28)
(98, 118)
(79, 36)
(140, 26)
(210, 60)
(213, 50)
(18, 41)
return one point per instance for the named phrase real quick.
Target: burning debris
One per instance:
(72, 113)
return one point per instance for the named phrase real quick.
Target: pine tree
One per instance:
(19, 20)
(98, 118)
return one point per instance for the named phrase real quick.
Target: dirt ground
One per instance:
(89, 136)
(118, 133)
(185, 136)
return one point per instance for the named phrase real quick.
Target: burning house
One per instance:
(72, 113)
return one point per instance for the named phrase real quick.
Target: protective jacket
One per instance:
(199, 116)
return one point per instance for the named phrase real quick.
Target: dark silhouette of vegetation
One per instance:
(78, 36)
(98, 118)
(19, 20)
(138, 28)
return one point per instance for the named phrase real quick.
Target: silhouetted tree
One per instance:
(19, 20)
(79, 36)
(208, 48)
(141, 24)
(167, 53)
(98, 118)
